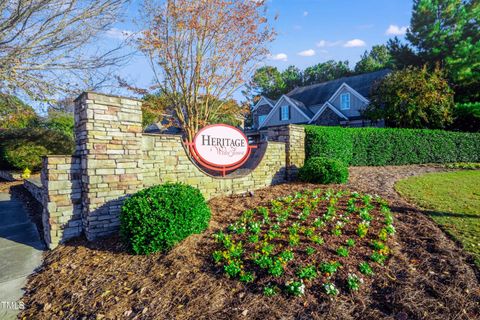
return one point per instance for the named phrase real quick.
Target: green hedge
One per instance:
(377, 147)
(157, 218)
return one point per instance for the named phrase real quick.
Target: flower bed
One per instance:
(333, 241)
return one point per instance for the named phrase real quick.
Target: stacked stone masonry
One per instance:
(113, 159)
(62, 205)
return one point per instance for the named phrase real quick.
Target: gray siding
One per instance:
(328, 118)
(295, 117)
(263, 109)
(355, 104)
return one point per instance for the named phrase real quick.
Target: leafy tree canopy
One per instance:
(445, 32)
(326, 71)
(413, 98)
(376, 59)
(14, 113)
(270, 82)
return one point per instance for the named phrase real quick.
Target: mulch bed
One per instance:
(429, 276)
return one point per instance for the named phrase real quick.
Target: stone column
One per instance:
(109, 143)
(61, 199)
(294, 138)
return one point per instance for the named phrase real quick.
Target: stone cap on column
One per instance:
(103, 98)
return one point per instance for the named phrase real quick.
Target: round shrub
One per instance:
(324, 171)
(27, 156)
(157, 218)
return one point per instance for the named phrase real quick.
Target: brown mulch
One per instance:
(429, 276)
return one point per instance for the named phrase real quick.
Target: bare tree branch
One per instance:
(48, 47)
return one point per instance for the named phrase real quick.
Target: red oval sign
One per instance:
(221, 145)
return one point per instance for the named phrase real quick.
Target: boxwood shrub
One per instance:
(157, 218)
(378, 146)
(323, 170)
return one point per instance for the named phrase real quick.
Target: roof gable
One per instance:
(320, 93)
(323, 108)
(292, 103)
(264, 100)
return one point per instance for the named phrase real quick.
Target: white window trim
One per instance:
(346, 94)
(352, 91)
(280, 102)
(323, 108)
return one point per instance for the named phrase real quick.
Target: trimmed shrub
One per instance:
(157, 218)
(323, 170)
(378, 147)
(328, 143)
(27, 156)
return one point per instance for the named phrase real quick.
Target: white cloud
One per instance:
(394, 30)
(305, 13)
(307, 53)
(279, 57)
(324, 43)
(115, 33)
(354, 43)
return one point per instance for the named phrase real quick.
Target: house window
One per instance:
(285, 113)
(261, 119)
(345, 101)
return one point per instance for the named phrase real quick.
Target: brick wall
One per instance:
(114, 159)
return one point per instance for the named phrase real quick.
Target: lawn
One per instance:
(452, 200)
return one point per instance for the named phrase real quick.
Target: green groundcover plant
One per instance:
(378, 146)
(157, 218)
(342, 262)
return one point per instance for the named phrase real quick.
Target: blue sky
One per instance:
(309, 32)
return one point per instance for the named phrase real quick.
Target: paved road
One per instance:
(20, 253)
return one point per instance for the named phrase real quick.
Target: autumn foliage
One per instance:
(202, 51)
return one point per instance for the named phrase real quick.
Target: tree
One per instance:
(467, 117)
(268, 81)
(203, 49)
(62, 122)
(445, 33)
(155, 109)
(47, 47)
(292, 78)
(230, 112)
(413, 98)
(326, 71)
(376, 59)
(15, 114)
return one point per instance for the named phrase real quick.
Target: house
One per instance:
(331, 103)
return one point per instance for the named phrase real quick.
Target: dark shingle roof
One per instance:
(320, 93)
(302, 107)
(273, 102)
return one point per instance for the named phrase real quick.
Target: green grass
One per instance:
(452, 200)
